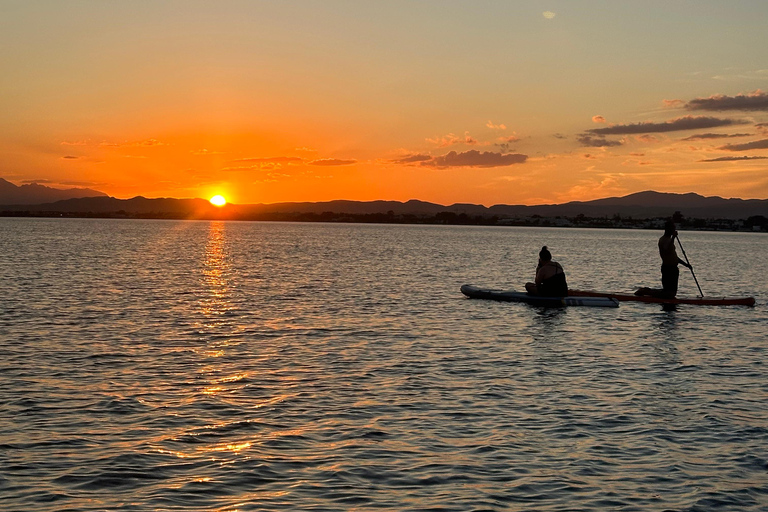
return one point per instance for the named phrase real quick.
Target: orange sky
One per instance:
(488, 102)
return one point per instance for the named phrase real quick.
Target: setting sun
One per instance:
(218, 201)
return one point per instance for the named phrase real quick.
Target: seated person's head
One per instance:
(544, 254)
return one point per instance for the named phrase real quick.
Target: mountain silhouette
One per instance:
(35, 193)
(641, 205)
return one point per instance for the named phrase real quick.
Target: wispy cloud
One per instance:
(451, 140)
(673, 103)
(61, 183)
(755, 144)
(679, 124)
(758, 74)
(243, 168)
(262, 163)
(492, 126)
(598, 119)
(206, 152)
(734, 158)
(272, 160)
(600, 186)
(80, 183)
(332, 161)
(31, 182)
(273, 177)
(505, 147)
(597, 142)
(474, 158)
(70, 157)
(146, 143)
(757, 100)
(412, 159)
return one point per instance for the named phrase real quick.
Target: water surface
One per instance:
(163, 365)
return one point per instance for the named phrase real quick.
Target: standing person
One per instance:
(669, 260)
(550, 277)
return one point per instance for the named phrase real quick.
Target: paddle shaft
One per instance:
(701, 293)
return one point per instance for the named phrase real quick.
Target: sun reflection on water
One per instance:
(216, 272)
(216, 307)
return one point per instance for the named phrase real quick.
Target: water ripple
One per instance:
(258, 366)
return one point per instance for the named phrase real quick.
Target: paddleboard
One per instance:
(476, 292)
(701, 301)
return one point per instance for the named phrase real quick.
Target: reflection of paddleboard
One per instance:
(475, 292)
(702, 301)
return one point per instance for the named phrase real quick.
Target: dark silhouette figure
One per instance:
(550, 277)
(669, 261)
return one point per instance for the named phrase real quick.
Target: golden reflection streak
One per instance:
(215, 269)
(216, 301)
(232, 447)
(232, 378)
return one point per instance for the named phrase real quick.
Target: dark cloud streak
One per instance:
(704, 136)
(734, 158)
(332, 161)
(757, 100)
(755, 144)
(597, 142)
(272, 160)
(412, 159)
(474, 158)
(680, 124)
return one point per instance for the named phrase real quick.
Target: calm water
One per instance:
(153, 365)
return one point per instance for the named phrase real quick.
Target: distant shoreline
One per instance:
(752, 224)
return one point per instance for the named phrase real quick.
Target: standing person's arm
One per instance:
(679, 260)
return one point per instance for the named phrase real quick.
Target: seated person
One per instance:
(550, 277)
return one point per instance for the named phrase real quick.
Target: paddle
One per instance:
(701, 293)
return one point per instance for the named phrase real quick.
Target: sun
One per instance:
(218, 201)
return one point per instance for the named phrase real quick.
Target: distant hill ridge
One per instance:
(35, 193)
(648, 204)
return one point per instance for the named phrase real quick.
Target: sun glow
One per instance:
(218, 201)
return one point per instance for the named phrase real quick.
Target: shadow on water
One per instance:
(668, 320)
(669, 307)
(668, 335)
(549, 316)
(546, 322)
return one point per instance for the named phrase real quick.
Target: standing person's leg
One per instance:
(669, 277)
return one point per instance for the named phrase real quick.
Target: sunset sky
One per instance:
(488, 102)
